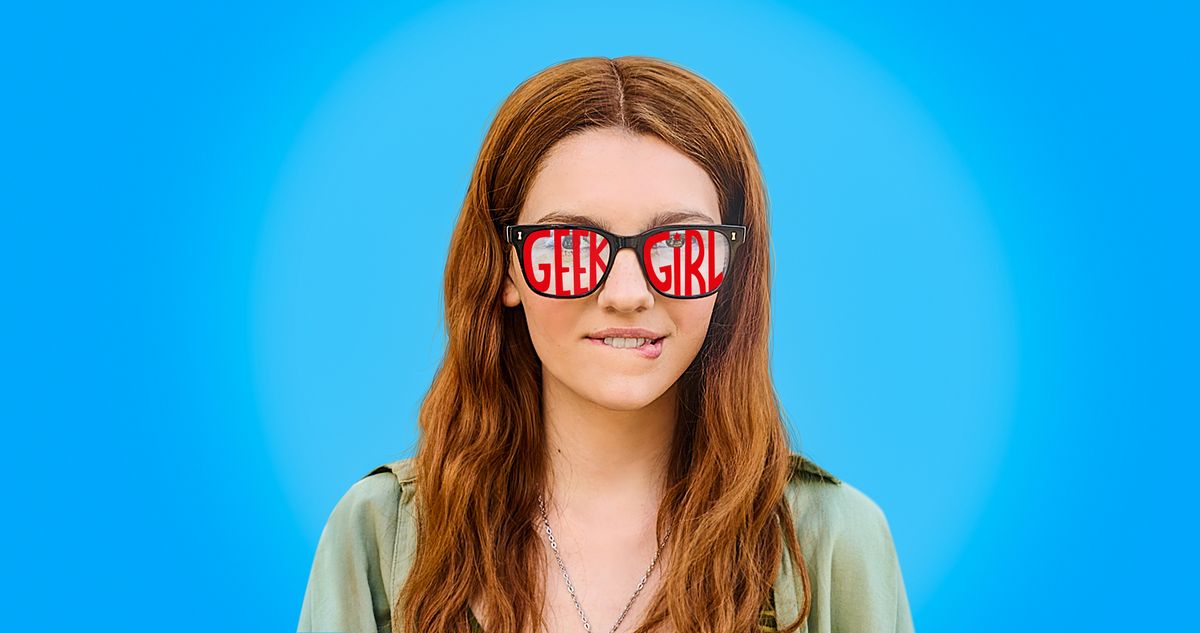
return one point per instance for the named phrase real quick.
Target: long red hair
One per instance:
(481, 457)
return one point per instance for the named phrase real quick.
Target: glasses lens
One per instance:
(686, 262)
(565, 262)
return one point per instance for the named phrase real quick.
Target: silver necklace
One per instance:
(571, 588)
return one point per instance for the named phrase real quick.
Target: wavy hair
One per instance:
(480, 456)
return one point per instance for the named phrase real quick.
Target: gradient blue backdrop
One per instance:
(984, 285)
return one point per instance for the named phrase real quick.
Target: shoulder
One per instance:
(380, 482)
(804, 468)
(402, 470)
(378, 500)
(361, 554)
(367, 511)
(850, 556)
(367, 516)
(375, 493)
(828, 508)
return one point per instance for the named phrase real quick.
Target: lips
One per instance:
(626, 332)
(649, 350)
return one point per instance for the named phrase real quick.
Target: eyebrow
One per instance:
(665, 217)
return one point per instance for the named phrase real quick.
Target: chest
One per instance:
(604, 579)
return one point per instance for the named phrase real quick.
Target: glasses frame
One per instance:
(517, 234)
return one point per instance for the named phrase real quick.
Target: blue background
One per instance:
(217, 317)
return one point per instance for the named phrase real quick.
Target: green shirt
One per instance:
(366, 548)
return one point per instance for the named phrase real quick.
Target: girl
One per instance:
(602, 447)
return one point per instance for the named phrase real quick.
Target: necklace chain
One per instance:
(571, 588)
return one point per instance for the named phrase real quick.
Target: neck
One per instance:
(602, 460)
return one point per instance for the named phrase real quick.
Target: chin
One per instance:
(624, 395)
(622, 405)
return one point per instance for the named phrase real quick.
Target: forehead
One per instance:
(620, 182)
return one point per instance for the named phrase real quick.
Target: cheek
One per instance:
(691, 319)
(553, 324)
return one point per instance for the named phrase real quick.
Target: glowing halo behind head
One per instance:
(893, 337)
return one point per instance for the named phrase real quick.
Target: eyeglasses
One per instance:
(681, 261)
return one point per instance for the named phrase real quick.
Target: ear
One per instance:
(510, 296)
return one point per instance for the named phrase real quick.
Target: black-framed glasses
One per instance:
(570, 261)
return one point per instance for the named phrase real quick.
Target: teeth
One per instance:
(625, 342)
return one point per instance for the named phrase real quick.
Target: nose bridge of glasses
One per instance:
(621, 243)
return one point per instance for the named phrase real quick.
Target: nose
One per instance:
(625, 289)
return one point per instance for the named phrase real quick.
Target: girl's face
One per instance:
(629, 184)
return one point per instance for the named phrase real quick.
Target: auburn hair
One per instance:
(480, 456)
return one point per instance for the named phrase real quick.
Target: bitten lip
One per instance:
(625, 332)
